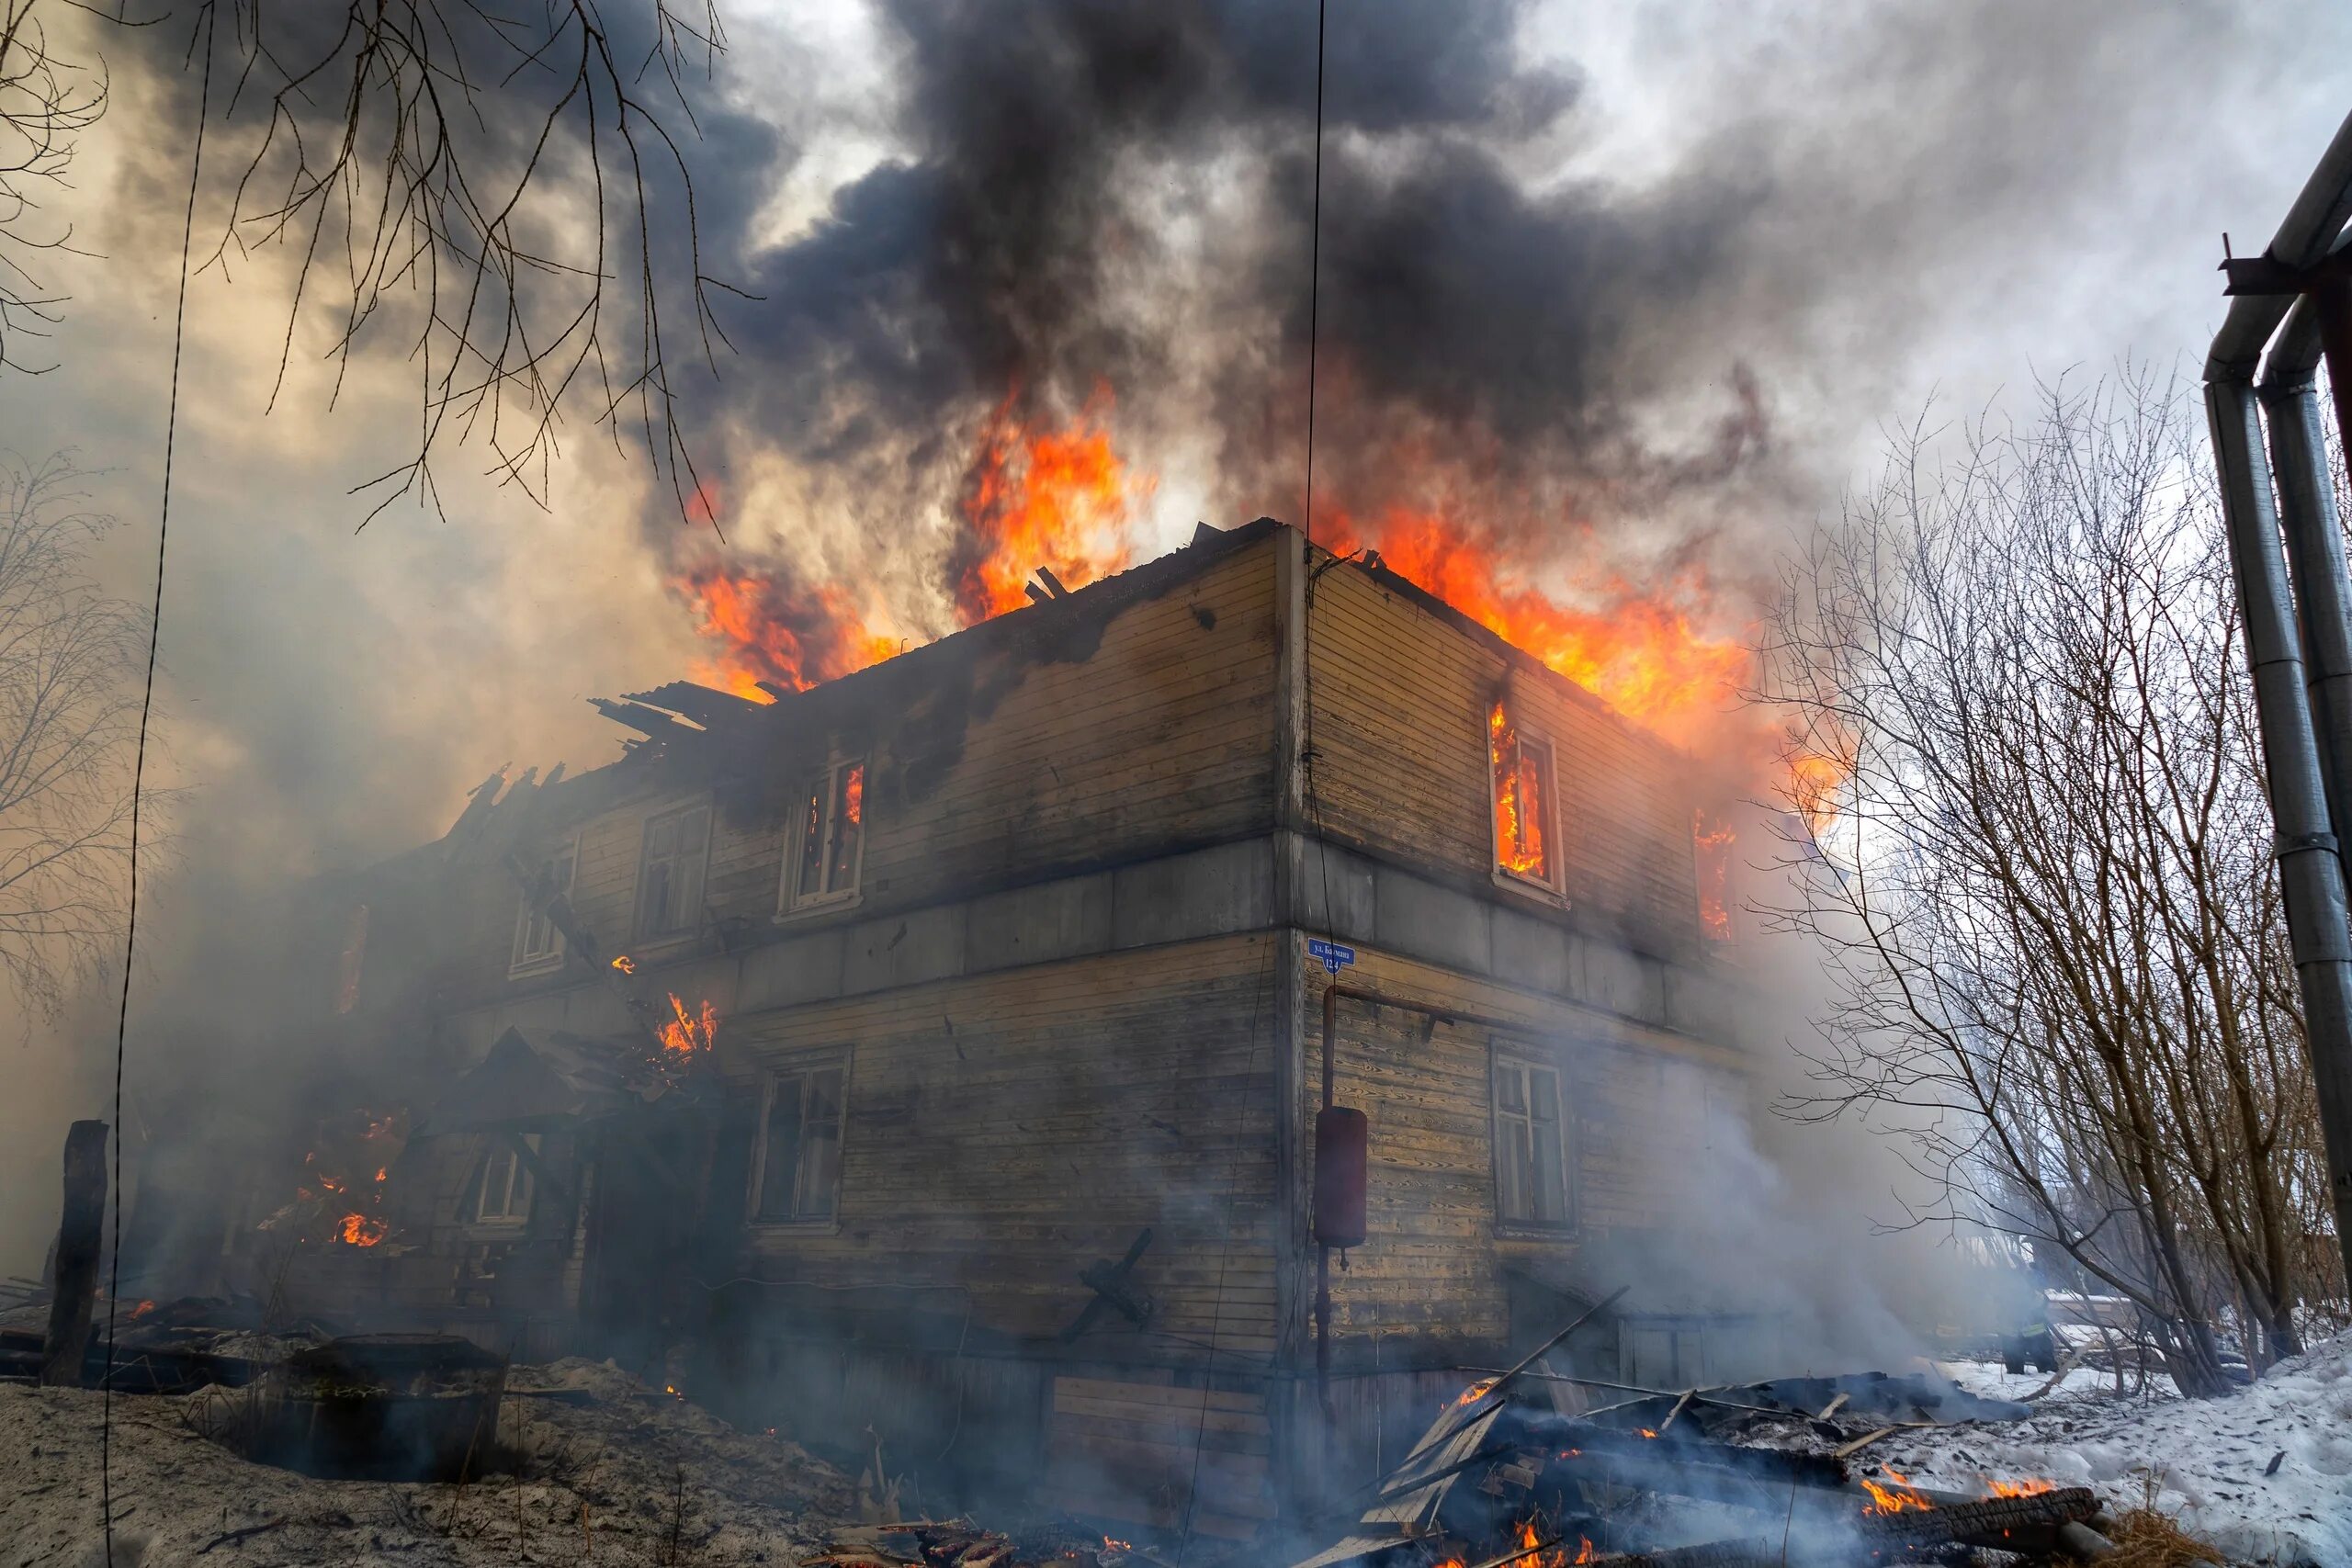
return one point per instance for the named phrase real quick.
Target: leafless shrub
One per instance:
(45, 104)
(69, 713)
(2061, 964)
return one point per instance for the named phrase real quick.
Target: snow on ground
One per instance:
(621, 1478)
(2202, 1460)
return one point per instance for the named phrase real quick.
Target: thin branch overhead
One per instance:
(502, 195)
(46, 102)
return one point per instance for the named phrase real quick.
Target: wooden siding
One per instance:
(1161, 735)
(1431, 1268)
(1400, 698)
(1007, 1130)
(1140, 1452)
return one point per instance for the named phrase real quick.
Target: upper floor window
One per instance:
(1711, 841)
(505, 1197)
(1531, 1153)
(669, 878)
(350, 961)
(828, 837)
(1525, 817)
(539, 945)
(797, 1176)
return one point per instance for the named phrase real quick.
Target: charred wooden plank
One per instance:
(1971, 1522)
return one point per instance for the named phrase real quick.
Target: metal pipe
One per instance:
(2311, 873)
(2323, 593)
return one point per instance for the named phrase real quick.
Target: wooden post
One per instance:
(78, 1236)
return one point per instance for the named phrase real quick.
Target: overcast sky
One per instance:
(1582, 228)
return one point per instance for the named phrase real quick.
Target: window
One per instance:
(505, 1183)
(1531, 1159)
(1522, 799)
(798, 1174)
(829, 837)
(537, 944)
(669, 879)
(1711, 841)
(349, 963)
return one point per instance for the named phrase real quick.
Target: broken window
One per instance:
(505, 1183)
(1711, 842)
(829, 838)
(1522, 799)
(537, 944)
(669, 881)
(1530, 1155)
(799, 1168)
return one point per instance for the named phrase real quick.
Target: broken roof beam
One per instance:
(706, 706)
(650, 721)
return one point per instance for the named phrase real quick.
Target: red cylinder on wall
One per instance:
(1342, 1175)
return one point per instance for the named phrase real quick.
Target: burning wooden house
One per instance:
(944, 1049)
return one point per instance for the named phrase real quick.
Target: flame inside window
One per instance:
(1711, 842)
(1522, 778)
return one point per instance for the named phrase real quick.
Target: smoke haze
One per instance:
(1633, 290)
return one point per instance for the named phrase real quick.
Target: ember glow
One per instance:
(689, 1032)
(339, 1196)
(625, 963)
(1476, 1391)
(1057, 499)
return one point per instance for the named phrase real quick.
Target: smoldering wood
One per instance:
(79, 1234)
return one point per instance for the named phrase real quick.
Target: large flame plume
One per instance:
(1059, 498)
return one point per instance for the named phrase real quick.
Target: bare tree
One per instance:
(45, 104)
(2060, 964)
(499, 195)
(70, 659)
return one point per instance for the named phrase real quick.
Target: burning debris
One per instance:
(339, 1196)
(1533, 1467)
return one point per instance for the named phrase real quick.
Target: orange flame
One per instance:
(342, 1187)
(1521, 819)
(1476, 1391)
(1711, 850)
(771, 632)
(688, 1032)
(2030, 1488)
(141, 1310)
(1642, 653)
(625, 963)
(1901, 1497)
(1059, 498)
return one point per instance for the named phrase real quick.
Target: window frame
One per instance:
(804, 1066)
(789, 900)
(639, 934)
(517, 1170)
(1506, 1056)
(1552, 887)
(521, 964)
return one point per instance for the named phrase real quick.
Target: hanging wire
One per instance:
(137, 782)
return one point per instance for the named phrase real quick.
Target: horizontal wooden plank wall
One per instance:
(1006, 1129)
(1433, 1265)
(1163, 734)
(1152, 1452)
(1401, 697)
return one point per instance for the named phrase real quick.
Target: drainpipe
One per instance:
(2315, 541)
(2311, 869)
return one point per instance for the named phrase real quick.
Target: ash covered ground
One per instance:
(611, 1473)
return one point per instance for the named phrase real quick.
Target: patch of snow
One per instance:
(2202, 1460)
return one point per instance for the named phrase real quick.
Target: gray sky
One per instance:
(1585, 224)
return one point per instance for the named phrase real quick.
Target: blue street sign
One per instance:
(1335, 957)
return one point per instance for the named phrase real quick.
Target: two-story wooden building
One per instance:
(1007, 940)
